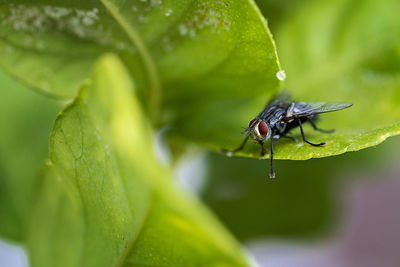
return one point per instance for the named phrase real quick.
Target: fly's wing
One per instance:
(307, 109)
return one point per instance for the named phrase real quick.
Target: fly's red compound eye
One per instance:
(251, 122)
(263, 128)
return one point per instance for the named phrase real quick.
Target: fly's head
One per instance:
(259, 129)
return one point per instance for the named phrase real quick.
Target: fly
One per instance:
(282, 115)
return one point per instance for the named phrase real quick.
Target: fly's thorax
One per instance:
(277, 123)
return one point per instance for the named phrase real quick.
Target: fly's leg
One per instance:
(304, 138)
(271, 170)
(242, 144)
(229, 152)
(320, 130)
(263, 151)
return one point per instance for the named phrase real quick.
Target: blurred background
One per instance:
(335, 211)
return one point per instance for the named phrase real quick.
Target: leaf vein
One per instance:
(143, 51)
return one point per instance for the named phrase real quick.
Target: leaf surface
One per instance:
(105, 201)
(197, 64)
(25, 122)
(336, 52)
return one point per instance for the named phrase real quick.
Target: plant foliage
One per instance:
(199, 69)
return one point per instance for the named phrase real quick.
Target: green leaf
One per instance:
(301, 203)
(296, 204)
(189, 59)
(336, 52)
(104, 200)
(25, 122)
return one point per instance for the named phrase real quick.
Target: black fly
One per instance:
(282, 115)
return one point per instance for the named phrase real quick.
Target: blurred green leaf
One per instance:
(300, 203)
(334, 51)
(25, 123)
(209, 57)
(297, 203)
(104, 200)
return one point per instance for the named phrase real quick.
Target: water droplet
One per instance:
(192, 33)
(168, 12)
(213, 17)
(97, 133)
(155, 3)
(56, 12)
(167, 44)
(142, 18)
(107, 149)
(82, 23)
(9, 49)
(281, 75)
(183, 30)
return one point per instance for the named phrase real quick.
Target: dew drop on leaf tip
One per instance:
(281, 75)
(168, 12)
